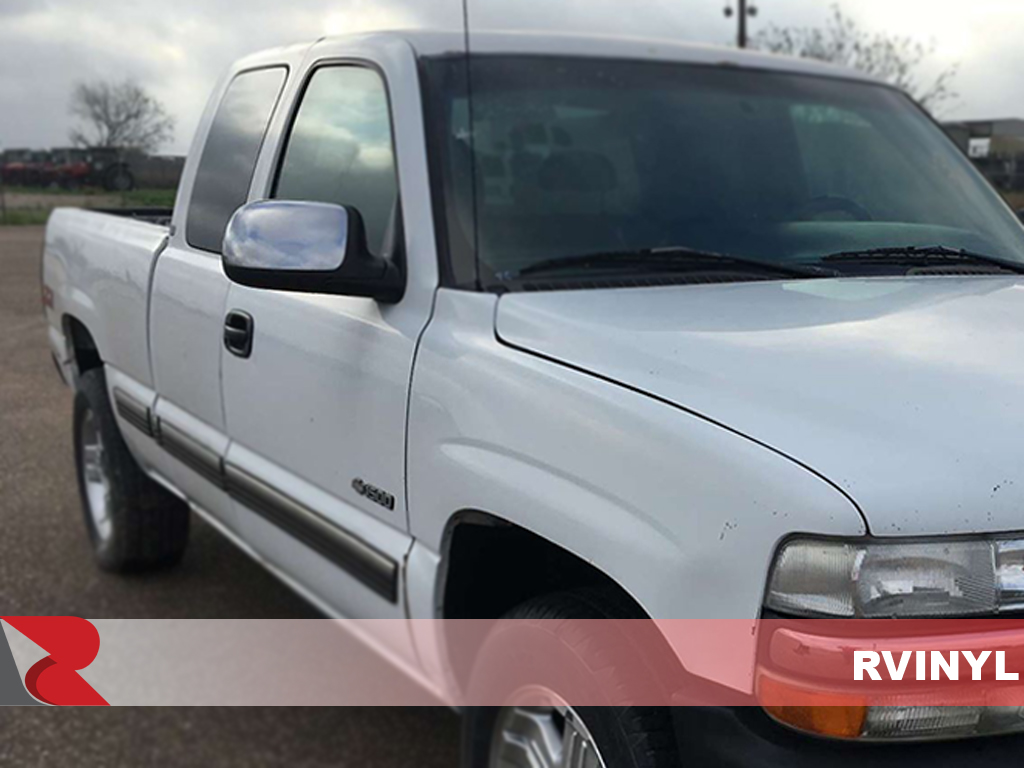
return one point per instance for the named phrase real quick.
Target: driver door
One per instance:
(316, 411)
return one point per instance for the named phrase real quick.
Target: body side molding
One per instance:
(133, 411)
(190, 452)
(361, 560)
(370, 566)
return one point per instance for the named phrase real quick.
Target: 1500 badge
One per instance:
(373, 493)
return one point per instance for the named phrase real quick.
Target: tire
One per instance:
(602, 663)
(138, 524)
(119, 179)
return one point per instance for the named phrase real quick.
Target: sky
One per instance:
(178, 49)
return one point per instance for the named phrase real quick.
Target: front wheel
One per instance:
(546, 654)
(536, 737)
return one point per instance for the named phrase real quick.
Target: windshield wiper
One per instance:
(923, 256)
(674, 258)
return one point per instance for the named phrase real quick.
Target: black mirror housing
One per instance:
(307, 247)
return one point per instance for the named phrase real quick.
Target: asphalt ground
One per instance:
(46, 568)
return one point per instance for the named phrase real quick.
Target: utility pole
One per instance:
(746, 11)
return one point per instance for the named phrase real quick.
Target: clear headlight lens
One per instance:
(882, 579)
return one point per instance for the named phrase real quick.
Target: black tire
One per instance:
(626, 735)
(119, 179)
(148, 525)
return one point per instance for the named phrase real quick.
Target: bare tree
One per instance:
(119, 114)
(893, 58)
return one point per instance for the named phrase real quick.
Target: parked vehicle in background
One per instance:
(70, 168)
(107, 168)
(110, 169)
(626, 329)
(25, 167)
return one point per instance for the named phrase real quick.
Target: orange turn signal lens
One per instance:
(837, 715)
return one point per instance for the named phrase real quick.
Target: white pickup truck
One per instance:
(571, 328)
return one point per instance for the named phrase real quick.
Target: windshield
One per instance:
(561, 157)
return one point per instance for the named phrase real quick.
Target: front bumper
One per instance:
(745, 737)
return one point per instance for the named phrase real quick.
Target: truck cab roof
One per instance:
(439, 43)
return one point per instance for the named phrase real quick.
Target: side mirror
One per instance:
(309, 248)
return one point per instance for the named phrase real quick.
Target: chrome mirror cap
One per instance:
(287, 235)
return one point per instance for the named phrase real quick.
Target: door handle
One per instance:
(238, 330)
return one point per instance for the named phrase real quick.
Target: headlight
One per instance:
(877, 579)
(883, 579)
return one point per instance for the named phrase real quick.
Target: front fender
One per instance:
(682, 513)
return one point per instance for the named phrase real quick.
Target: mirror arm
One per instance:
(390, 286)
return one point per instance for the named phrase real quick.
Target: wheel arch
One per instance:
(478, 578)
(82, 347)
(474, 539)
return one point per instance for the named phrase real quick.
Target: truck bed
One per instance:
(159, 216)
(97, 266)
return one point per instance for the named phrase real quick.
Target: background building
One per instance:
(996, 147)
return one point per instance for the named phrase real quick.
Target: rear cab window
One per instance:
(229, 157)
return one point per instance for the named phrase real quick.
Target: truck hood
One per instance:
(905, 392)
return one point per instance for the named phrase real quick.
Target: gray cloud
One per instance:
(178, 49)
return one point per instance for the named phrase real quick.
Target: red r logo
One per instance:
(72, 644)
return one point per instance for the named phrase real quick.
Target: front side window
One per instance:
(340, 148)
(561, 157)
(229, 156)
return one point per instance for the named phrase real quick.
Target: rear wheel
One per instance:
(119, 179)
(541, 667)
(133, 523)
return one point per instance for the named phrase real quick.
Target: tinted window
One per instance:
(229, 157)
(340, 148)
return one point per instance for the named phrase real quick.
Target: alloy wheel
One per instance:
(543, 737)
(97, 482)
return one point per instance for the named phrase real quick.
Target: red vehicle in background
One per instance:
(108, 168)
(25, 167)
(68, 167)
(71, 168)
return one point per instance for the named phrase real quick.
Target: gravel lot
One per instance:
(46, 568)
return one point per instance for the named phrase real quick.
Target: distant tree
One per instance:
(896, 59)
(119, 114)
